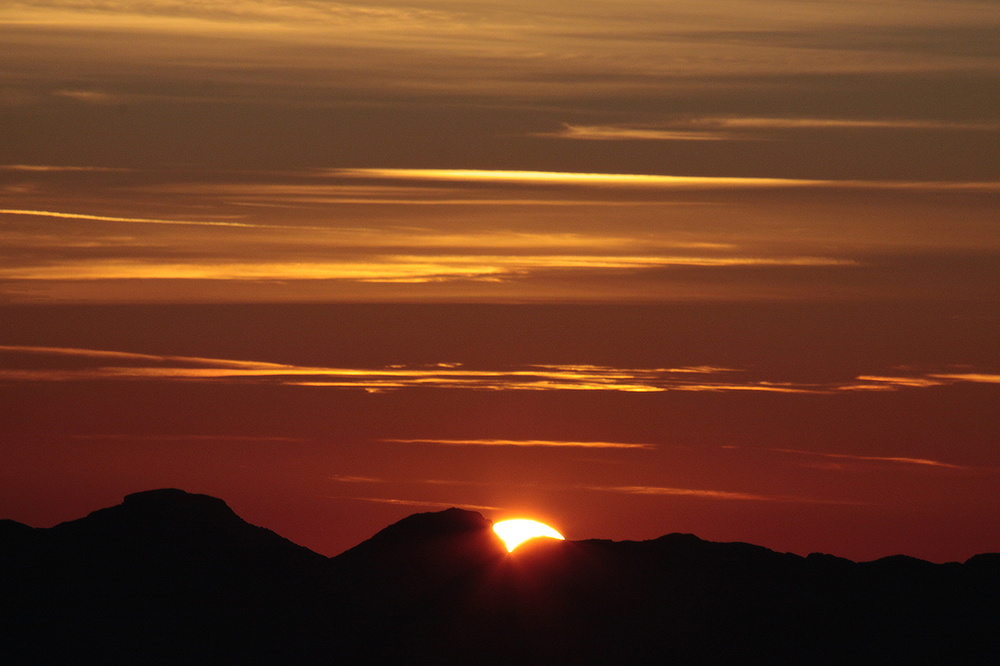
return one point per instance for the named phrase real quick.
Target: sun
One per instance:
(516, 531)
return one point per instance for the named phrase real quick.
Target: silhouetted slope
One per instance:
(164, 577)
(421, 531)
(690, 601)
(169, 577)
(172, 525)
(439, 544)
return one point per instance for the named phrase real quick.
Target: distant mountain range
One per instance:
(172, 577)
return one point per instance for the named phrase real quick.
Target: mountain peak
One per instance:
(174, 504)
(453, 537)
(171, 523)
(435, 524)
(168, 495)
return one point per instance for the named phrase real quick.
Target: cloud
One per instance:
(523, 443)
(877, 459)
(565, 178)
(389, 268)
(356, 186)
(620, 133)
(448, 375)
(412, 502)
(974, 377)
(921, 380)
(132, 356)
(299, 50)
(610, 237)
(661, 491)
(787, 123)
(702, 494)
(249, 14)
(737, 128)
(49, 168)
(443, 376)
(88, 97)
(655, 181)
(884, 383)
(133, 220)
(343, 478)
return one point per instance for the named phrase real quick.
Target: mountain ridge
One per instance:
(173, 577)
(172, 508)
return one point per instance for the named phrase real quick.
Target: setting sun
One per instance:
(518, 530)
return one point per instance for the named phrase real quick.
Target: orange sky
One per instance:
(631, 268)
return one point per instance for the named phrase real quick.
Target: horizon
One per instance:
(627, 269)
(510, 540)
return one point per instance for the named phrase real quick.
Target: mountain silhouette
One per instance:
(176, 578)
(169, 525)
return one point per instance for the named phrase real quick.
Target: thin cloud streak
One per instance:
(891, 383)
(530, 377)
(704, 494)
(141, 220)
(619, 133)
(842, 123)
(664, 491)
(626, 180)
(522, 442)
(717, 128)
(381, 193)
(48, 168)
(879, 459)
(132, 356)
(410, 502)
(974, 377)
(446, 375)
(346, 478)
(566, 178)
(398, 268)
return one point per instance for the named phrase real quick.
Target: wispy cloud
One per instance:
(93, 97)
(566, 178)
(441, 44)
(840, 123)
(132, 356)
(523, 443)
(398, 268)
(626, 133)
(133, 220)
(705, 494)
(426, 503)
(356, 187)
(918, 380)
(346, 478)
(887, 383)
(444, 375)
(974, 377)
(127, 366)
(663, 491)
(627, 180)
(876, 459)
(743, 128)
(49, 168)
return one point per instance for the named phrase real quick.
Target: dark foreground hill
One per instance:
(170, 577)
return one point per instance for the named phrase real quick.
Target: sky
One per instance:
(628, 268)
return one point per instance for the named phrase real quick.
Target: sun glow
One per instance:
(518, 530)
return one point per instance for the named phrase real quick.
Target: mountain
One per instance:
(168, 526)
(171, 577)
